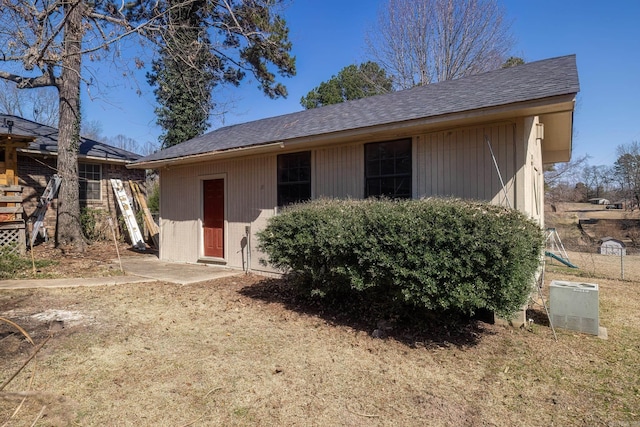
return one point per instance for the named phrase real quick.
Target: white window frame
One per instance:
(82, 179)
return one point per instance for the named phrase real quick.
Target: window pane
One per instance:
(304, 174)
(403, 187)
(373, 187)
(89, 175)
(388, 187)
(294, 174)
(294, 178)
(283, 175)
(404, 165)
(373, 168)
(388, 169)
(93, 190)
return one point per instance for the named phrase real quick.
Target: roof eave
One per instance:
(550, 105)
(558, 137)
(196, 158)
(13, 139)
(80, 156)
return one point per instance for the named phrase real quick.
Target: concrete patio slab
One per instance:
(138, 269)
(151, 267)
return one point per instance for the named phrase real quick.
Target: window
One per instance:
(294, 178)
(90, 175)
(388, 169)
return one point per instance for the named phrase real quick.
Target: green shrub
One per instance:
(153, 199)
(88, 221)
(94, 224)
(434, 254)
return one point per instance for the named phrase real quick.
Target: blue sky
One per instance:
(328, 35)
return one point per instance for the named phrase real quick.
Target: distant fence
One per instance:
(593, 264)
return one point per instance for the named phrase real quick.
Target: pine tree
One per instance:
(250, 39)
(352, 82)
(182, 75)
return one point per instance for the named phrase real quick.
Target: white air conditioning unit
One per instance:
(574, 306)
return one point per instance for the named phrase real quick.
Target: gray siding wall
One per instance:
(454, 162)
(250, 200)
(530, 198)
(339, 172)
(459, 163)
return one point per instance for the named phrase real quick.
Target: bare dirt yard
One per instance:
(242, 351)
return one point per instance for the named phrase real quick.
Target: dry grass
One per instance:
(596, 266)
(588, 210)
(53, 263)
(241, 352)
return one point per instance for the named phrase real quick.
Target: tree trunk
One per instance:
(69, 230)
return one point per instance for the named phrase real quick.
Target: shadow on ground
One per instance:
(539, 316)
(148, 251)
(430, 330)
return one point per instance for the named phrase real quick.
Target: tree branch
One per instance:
(44, 80)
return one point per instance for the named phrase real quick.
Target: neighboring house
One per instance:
(35, 163)
(611, 246)
(12, 226)
(219, 189)
(599, 201)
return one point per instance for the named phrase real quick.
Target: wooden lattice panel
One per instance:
(14, 238)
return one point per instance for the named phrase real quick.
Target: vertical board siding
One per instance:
(530, 176)
(489, 191)
(509, 136)
(251, 198)
(339, 172)
(256, 184)
(458, 163)
(533, 172)
(179, 199)
(454, 162)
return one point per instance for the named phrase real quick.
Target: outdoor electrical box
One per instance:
(574, 306)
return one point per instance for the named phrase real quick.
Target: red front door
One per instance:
(213, 218)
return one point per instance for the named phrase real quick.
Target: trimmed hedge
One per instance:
(434, 254)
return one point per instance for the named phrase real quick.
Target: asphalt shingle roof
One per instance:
(47, 140)
(527, 82)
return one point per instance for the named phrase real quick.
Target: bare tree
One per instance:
(560, 180)
(565, 173)
(39, 105)
(627, 172)
(149, 147)
(91, 129)
(426, 41)
(47, 40)
(124, 142)
(597, 180)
